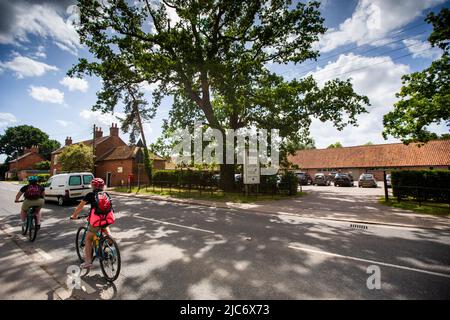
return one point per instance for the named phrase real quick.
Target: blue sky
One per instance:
(373, 42)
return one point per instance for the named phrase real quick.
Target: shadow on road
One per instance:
(239, 256)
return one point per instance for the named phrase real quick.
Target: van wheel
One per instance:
(60, 201)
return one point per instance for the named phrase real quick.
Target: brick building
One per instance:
(115, 160)
(375, 158)
(23, 166)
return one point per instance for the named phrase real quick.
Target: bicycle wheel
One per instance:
(32, 229)
(109, 258)
(25, 226)
(80, 241)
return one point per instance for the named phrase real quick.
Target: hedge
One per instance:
(43, 177)
(421, 184)
(185, 178)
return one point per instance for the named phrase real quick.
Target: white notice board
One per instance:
(251, 170)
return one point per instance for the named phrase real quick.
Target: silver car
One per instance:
(367, 180)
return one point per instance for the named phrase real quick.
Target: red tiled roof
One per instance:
(125, 152)
(433, 153)
(119, 153)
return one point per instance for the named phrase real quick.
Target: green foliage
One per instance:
(16, 139)
(370, 143)
(425, 95)
(43, 165)
(441, 31)
(184, 177)
(47, 147)
(289, 183)
(214, 63)
(147, 163)
(43, 177)
(433, 184)
(335, 145)
(3, 169)
(76, 158)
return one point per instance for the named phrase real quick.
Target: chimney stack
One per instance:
(68, 141)
(34, 149)
(98, 132)
(114, 131)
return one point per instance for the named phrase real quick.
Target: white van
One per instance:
(67, 186)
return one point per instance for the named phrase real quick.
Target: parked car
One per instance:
(332, 175)
(367, 180)
(68, 186)
(343, 180)
(321, 179)
(388, 181)
(304, 178)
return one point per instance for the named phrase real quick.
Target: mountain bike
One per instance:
(104, 248)
(30, 225)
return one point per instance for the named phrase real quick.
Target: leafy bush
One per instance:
(422, 184)
(289, 183)
(43, 177)
(196, 178)
(76, 158)
(184, 177)
(43, 165)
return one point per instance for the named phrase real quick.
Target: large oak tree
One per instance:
(213, 57)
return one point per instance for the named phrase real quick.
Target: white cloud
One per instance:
(380, 79)
(7, 119)
(75, 84)
(99, 118)
(374, 20)
(45, 94)
(41, 20)
(26, 67)
(40, 53)
(63, 123)
(149, 87)
(421, 49)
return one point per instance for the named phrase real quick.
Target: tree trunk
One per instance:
(227, 177)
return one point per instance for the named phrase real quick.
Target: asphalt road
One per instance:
(174, 251)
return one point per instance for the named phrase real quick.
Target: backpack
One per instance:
(33, 192)
(102, 214)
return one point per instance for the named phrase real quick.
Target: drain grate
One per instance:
(358, 226)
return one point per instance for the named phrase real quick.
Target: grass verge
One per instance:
(440, 209)
(207, 195)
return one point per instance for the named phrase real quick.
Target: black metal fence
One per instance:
(205, 188)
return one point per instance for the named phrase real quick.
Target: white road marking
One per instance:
(370, 261)
(174, 224)
(44, 254)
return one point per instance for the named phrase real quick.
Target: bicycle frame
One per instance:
(94, 245)
(30, 214)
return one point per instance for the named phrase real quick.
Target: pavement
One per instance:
(188, 251)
